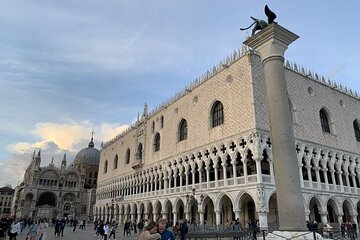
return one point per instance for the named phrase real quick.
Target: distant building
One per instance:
(6, 198)
(206, 154)
(63, 191)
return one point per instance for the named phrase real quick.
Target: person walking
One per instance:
(33, 230)
(183, 229)
(106, 230)
(113, 227)
(75, 222)
(15, 229)
(43, 226)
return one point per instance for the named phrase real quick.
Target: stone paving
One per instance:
(87, 234)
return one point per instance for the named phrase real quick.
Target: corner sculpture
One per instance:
(261, 24)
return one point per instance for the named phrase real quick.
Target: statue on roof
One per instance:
(261, 24)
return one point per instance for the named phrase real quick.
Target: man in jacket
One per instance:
(164, 232)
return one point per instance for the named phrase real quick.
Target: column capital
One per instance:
(271, 41)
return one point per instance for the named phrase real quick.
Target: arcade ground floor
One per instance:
(219, 208)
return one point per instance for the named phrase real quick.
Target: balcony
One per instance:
(138, 163)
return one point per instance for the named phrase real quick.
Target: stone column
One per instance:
(201, 215)
(263, 220)
(339, 172)
(271, 43)
(146, 216)
(233, 163)
(340, 215)
(323, 216)
(258, 170)
(218, 218)
(187, 216)
(174, 216)
(245, 162)
(164, 215)
(216, 175)
(207, 176)
(224, 170)
(324, 169)
(237, 214)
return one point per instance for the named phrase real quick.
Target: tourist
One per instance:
(150, 232)
(176, 229)
(140, 225)
(62, 226)
(101, 230)
(134, 226)
(183, 229)
(43, 226)
(355, 229)
(81, 226)
(3, 228)
(33, 230)
(127, 228)
(164, 232)
(75, 222)
(113, 227)
(57, 227)
(15, 230)
(106, 230)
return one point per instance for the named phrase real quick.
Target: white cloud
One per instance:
(56, 139)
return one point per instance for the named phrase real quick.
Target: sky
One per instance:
(69, 67)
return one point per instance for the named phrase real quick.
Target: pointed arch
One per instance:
(182, 130)
(324, 120)
(356, 130)
(217, 114)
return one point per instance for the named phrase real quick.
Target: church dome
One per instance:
(89, 155)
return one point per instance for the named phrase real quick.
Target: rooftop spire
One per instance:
(39, 153)
(91, 143)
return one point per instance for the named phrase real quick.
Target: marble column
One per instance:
(218, 218)
(174, 216)
(323, 216)
(263, 220)
(202, 219)
(271, 43)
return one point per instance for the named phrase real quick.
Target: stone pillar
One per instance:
(218, 218)
(340, 215)
(201, 215)
(332, 171)
(200, 178)
(324, 169)
(323, 216)
(237, 214)
(146, 216)
(233, 163)
(271, 162)
(164, 215)
(224, 171)
(207, 176)
(271, 43)
(258, 170)
(138, 218)
(187, 216)
(245, 162)
(174, 216)
(263, 220)
(216, 175)
(340, 180)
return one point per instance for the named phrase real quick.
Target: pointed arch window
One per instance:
(325, 126)
(153, 127)
(157, 142)
(356, 130)
(106, 166)
(140, 152)
(217, 114)
(161, 121)
(127, 156)
(183, 130)
(116, 159)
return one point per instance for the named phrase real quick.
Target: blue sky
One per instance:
(67, 67)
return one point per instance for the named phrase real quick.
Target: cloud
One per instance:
(55, 139)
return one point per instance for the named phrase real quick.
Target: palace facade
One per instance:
(206, 154)
(57, 192)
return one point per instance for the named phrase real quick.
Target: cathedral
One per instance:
(57, 192)
(206, 154)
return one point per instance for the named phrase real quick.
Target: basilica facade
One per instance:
(206, 154)
(57, 192)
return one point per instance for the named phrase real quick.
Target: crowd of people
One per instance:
(160, 230)
(10, 228)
